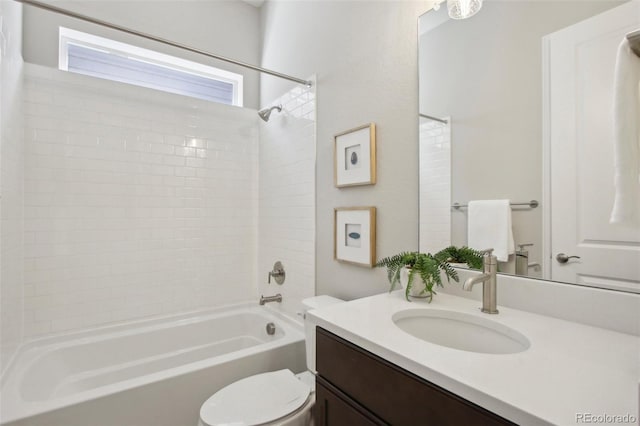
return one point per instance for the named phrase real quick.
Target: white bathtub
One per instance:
(154, 372)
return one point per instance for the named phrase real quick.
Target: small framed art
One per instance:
(355, 156)
(355, 235)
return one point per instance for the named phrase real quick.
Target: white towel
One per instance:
(626, 113)
(490, 227)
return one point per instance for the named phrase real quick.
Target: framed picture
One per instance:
(355, 235)
(355, 156)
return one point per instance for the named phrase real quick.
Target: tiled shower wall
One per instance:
(286, 220)
(137, 202)
(11, 181)
(435, 185)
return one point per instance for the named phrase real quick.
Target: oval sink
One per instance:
(461, 331)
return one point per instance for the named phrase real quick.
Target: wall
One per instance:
(11, 181)
(137, 202)
(286, 225)
(495, 105)
(365, 57)
(224, 27)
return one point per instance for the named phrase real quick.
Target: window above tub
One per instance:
(100, 57)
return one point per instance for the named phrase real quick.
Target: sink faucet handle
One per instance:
(487, 252)
(489, 260)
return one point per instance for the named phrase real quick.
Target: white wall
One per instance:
(11, 180)
(137, 202)
(286, 225)
(365, 58)
(225, 27)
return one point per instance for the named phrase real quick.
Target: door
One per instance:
(579, 71)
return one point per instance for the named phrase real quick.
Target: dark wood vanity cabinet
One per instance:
(355, 387)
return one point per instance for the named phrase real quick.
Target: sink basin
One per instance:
(461, 331)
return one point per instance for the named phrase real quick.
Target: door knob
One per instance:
(563, 258)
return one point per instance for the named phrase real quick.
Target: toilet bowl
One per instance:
(274, 398)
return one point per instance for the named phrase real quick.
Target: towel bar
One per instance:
(533, 204)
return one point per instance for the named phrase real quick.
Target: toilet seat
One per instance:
(271, 396)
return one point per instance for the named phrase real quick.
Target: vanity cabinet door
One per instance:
(332, 408)
(390, 393)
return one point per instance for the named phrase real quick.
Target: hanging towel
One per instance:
(626, 113)
(490, 227)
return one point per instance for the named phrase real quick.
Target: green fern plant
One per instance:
(464, 254)
(427, 266)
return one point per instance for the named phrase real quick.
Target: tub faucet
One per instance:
(276, 298)
(489, 282)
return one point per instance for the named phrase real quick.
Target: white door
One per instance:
(579, 72)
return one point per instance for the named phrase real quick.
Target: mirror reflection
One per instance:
(517, 104)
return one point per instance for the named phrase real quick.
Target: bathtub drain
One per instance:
(271, 329)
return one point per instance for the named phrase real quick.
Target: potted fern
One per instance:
(417, 272)
(460, 256)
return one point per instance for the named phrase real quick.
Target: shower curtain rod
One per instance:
(86, 18)
(440, 120)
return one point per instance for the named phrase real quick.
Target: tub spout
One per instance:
(276, 298)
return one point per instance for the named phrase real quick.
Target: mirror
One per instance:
(516, 103)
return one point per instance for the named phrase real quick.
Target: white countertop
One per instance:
(570, 368)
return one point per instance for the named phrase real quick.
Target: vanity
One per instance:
(375, 367)
(348, 373)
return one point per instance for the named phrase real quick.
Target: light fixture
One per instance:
(463, 9)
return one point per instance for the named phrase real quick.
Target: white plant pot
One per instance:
(417, 287)
(460, 265)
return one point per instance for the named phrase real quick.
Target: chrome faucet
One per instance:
(489, 282)
(276, 298)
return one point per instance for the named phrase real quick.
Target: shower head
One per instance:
(266, 113)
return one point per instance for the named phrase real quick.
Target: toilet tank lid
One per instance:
(316, 302)
(255, 400)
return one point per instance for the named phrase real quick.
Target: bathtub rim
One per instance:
(91, 332)
(35, 348)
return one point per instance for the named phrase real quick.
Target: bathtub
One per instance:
(151, 372)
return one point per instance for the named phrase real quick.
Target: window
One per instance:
(88, 54)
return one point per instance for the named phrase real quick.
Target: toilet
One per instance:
(273, 398)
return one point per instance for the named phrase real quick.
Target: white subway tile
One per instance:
(287, 204)
(116, 218)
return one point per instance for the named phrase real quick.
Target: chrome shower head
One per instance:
(266, 113)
